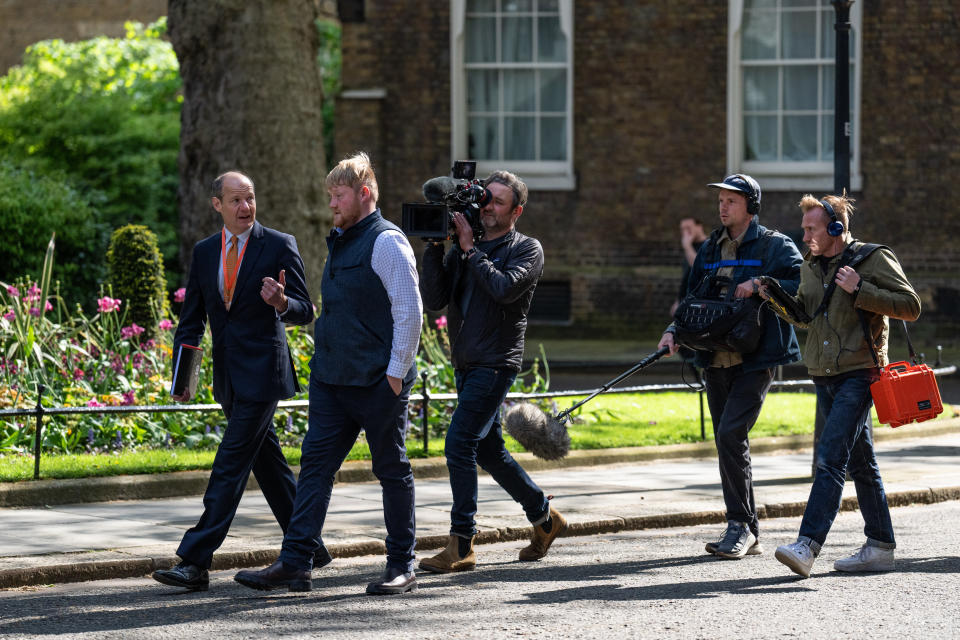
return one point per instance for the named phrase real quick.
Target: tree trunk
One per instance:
(252, 102)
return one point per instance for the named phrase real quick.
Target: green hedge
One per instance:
(31, 206)
(103, 117)
(135, 273)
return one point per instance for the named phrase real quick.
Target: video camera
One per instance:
(461, 191)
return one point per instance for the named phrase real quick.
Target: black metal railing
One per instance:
(424, 399)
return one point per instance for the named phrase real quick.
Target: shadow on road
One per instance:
(135, 606)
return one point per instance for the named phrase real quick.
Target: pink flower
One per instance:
(179, 294)
(13, 291)
(35, 312)
(93, 403)
(33, 293)
(78, 374)
(107, 304)
(165, 325)
(47, 306)
(10, 315)
(441, 322)
(128, 398)
(133, 330)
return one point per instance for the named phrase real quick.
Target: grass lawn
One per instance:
(612, 420)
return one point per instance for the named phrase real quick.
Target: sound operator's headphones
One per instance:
(742, 183)
(835, 227)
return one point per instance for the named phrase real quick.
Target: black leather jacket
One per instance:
(491, 333)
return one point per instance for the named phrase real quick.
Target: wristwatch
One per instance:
(469, 253)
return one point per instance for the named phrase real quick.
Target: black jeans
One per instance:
(735, 399)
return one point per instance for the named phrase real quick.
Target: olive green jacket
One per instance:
(835, 342)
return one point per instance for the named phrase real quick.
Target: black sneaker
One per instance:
(755, 550)
(736, 542)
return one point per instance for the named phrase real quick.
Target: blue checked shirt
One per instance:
(393, 261)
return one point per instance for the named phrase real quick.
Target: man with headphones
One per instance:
(846, 288)
(741, 251)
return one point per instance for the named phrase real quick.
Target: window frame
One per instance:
(785, 175)
(537, 174)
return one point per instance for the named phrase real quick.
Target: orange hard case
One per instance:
(906, 393)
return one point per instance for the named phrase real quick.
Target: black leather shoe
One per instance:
(186, 575)
(321, 558)
(275, 576)
(393, 581)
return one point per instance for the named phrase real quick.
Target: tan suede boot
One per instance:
(449, 559)
(541, 540)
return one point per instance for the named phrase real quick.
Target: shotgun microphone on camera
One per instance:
(437, 189)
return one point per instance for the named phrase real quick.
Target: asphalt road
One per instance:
(651, 584)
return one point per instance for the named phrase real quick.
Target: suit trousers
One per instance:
(735, 398)
(337, 414)
(249, 444)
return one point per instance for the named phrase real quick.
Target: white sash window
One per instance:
(512, 86)
(781, 92)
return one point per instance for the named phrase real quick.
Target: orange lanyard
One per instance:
(230, 279)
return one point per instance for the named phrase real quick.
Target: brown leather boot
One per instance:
(541, 540)
(450, 560)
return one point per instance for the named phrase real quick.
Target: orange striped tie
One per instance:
(230, 273)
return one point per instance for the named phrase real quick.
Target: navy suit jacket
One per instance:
(251, 359)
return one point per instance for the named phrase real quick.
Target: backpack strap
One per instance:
(849, 258)
(861, 254)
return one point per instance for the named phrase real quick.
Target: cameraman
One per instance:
(487, 286)
(737, 383)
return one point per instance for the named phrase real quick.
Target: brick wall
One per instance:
(650, 131)
(911, 120)
(640, 126)
(23, 22)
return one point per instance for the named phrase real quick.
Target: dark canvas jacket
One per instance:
(779, 258)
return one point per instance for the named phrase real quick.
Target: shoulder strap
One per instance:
(739, 262)
(849, 258)
(862, 253)
(869, 339)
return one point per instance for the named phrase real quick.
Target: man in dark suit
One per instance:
(232, 285)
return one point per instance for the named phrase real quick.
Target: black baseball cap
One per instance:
(742, 183)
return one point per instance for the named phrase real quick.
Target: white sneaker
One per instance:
(798, 556)
(868, 558)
